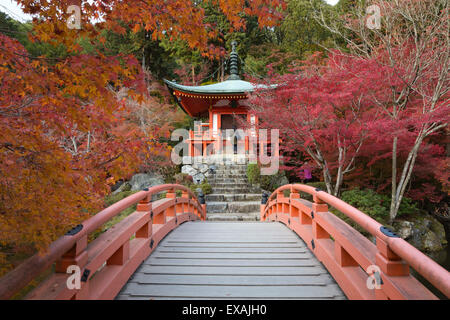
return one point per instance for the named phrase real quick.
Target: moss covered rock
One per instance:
(423, 231)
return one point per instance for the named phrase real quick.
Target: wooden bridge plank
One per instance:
(231, 263)
(232, 255)
(217, 280)
(226, 270)
(231, 292)
(223, 260)
(250, 251)
(143, 298)
(231, 245)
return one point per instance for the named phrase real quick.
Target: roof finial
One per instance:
(233, 46)
(234, 63)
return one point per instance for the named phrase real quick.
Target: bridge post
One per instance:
(280, 206)
(293, 211)
(145, 206)
(202, 200)
(171, 211)
(317, 207)
(76, 256)
(389, 262)
(264, 199)
(183, 207)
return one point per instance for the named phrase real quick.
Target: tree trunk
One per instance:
(143, 59)
(393, 212)
(408, 167)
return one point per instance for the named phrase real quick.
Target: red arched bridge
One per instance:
(166, 250)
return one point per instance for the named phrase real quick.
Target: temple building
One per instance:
(222, 104)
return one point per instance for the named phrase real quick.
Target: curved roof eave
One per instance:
(225, 87)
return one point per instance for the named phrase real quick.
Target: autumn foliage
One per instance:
(62, 134)
(74, 123)
(380, 103)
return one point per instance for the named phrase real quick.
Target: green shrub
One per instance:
(269, 183)
(408, 207)
(376, 205)
(113, 198)
(272, 182)
(369, 202)
(205, 186)
(319, 185)
(183, 179)
(109, 201)
(169, 173)
(253, 173)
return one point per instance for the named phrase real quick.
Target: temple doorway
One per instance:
(230, 121)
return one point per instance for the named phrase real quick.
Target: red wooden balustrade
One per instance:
(107, 262)
(352, 259)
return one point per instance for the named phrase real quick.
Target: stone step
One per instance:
(233, 197)
(231, 171)
(235, 207)
(227, 176)
(232, 166)
(229, 184)
(227, 180)
(252, 216)
(231, 190)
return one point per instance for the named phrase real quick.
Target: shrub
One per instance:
(169, 173)
(205, 186)
(317, 185)
(376, 205)
(408, 207)
(113, 198)
(273, 182)
(269, 183)
(183, 179)
(253, 173)
(109, 201)
(369, 202)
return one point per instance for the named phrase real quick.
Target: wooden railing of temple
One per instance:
(107, 262)
(362, 269)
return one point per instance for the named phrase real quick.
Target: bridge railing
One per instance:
(105, 264)
(362, 269)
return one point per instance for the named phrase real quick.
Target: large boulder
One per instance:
(199, 178)
(198, 171)
(188, 169)
(125, 186)
(145, 180)
(423, 232)
(405, 229)
(203, 168)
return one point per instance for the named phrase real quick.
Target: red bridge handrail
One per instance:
(18, 278)
(390, 249)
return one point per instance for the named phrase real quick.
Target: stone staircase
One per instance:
(233, 198)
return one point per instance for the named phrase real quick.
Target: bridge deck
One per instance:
(231, 260)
